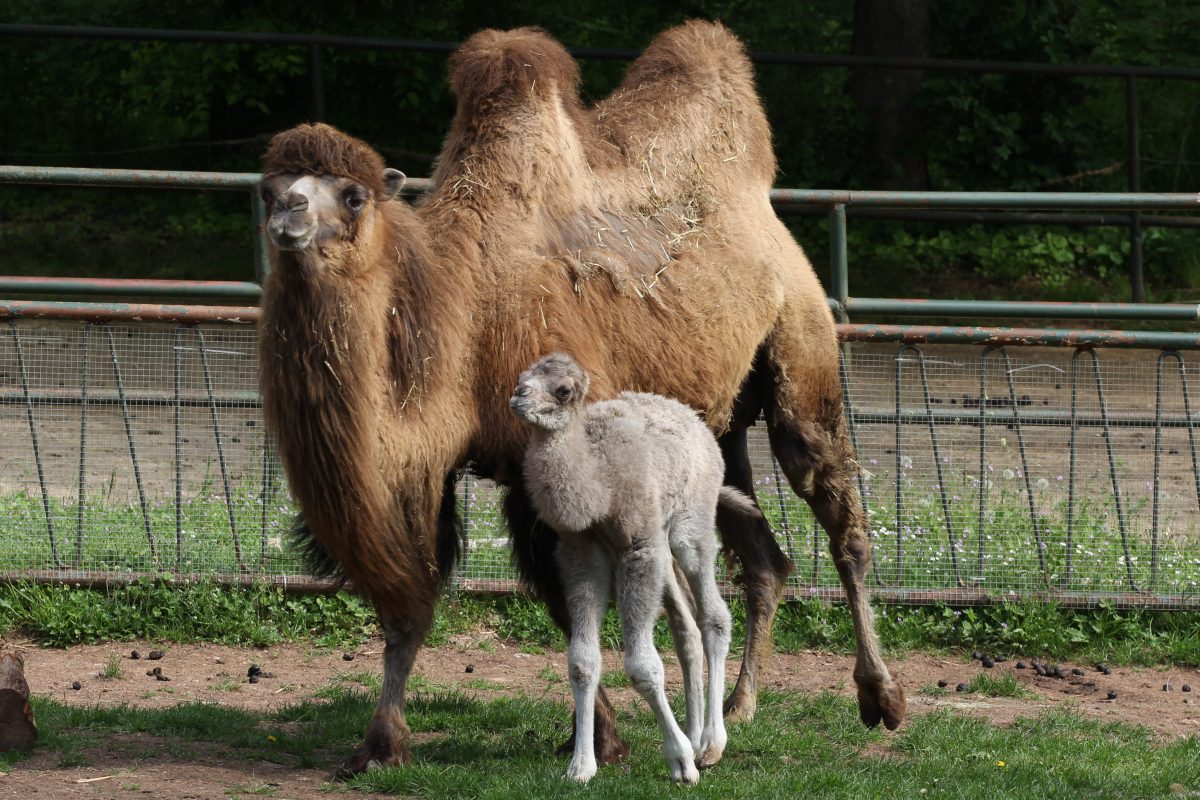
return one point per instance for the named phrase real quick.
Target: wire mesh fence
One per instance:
(139, 449)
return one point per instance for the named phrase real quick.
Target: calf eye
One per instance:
(268, 197)
(563, 393)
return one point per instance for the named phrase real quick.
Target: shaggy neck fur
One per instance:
(350, 354)
(561, 468)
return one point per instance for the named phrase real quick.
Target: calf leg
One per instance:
(641, 576)
(533, 546)
(694, 547)
(690, 649)
(587, 572)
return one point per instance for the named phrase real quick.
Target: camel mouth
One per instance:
(524, 409)
(285, 239)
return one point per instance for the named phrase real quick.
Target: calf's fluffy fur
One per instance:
(632, 485)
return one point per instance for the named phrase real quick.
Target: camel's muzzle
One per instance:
(292, 229)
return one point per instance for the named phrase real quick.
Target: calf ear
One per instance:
(393, 182)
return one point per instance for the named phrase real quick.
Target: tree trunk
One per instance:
(17, 728)
(887, 97)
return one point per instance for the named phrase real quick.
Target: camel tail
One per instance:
(738, 502)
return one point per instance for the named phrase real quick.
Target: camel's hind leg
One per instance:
(763, 566)
(640, 580)
(809, 438)
(693, 543)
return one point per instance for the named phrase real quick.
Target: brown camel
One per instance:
(636, 236)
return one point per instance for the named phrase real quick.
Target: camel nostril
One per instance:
(295, 202)
(522, 391)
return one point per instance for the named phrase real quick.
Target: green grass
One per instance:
(112, 668)
(1004, 685)
(797, 746)
(258, 615)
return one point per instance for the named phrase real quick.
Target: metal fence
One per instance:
(138, 449)
(135, 444)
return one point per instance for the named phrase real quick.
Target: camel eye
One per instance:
(268, 197)
(563, 393)
(355, 198)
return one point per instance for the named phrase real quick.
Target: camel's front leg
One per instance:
(386, 740)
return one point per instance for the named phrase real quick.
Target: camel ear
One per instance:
(393, 182)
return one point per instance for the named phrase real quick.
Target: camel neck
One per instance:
(565, 479)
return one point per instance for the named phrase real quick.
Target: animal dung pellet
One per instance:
(1076, 671)
(1187, 687)
(135, 655)
(1020, 665)
(155, 655)
(943, 683)
(254, 671)
(1167, 687)
(962, 687)
(1000, 659)
(977, 655)
(1112, 694)
(160, 677)
(347, 656)
(987, 662)
(253, 679)
(154, 673)
(76, 685)
(470, 668)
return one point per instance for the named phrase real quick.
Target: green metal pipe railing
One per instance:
(13, 284)
(841, 302)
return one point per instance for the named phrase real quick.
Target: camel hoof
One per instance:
(609, 748)
(882, 703)
(371, 756)
(740, 707)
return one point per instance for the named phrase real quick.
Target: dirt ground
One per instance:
(134, 765)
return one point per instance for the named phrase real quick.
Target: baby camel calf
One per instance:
(628, 484)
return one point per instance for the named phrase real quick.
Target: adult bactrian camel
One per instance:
(638, 237)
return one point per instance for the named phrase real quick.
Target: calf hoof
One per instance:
(883, 702)
(683, 770)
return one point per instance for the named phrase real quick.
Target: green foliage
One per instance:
(164, 610)
(211, 106)
(184, 612)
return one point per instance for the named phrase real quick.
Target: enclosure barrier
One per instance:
(1028, 467)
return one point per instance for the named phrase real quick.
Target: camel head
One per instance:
(550, 392)
(323, 190)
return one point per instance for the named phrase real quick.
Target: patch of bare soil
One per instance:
(136, 765)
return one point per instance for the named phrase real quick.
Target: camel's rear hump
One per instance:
(688, 107)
